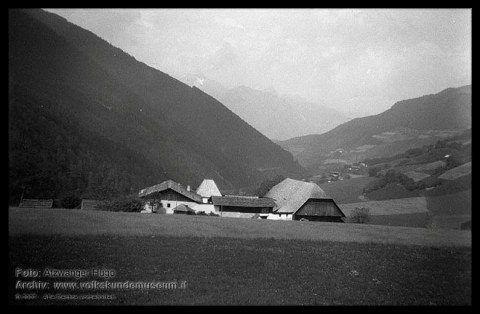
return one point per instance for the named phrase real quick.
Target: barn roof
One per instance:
(208, 188)
(290, 195)
(243, 201)
(169, 184)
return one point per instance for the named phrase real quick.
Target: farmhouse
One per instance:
(297, 200)
(169, 194)
(243, 206)
(289, 200)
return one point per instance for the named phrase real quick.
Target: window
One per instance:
(168, 205)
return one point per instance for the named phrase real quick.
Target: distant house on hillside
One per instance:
(170, 194)
(298, 199)
(243, 206)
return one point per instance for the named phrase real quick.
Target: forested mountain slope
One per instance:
(86, 117)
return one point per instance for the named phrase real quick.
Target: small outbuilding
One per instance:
(183, 209)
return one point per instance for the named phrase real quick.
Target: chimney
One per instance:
(188, 188)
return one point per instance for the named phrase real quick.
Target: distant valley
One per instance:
(407, 124)
(279, 117)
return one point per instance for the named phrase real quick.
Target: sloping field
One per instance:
(392, 191)
(79, 223)
(459, 203)
(457, 172)
(409, 205)
(416, 176)
(346, 191)
(449, 222)
(416, 220)
(431, 166)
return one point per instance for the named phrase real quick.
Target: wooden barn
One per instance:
(243, 206)
(35, 203)
(296, 200)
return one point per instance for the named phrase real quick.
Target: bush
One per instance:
(467, 225)
(359, 216)
(155, 204)
(213, 214)
(372, 172)
(71, 201)
(452, 162)
(429, 182)
(415, 151)
(124, 204)
(57, 203)
(161, 210)
(202, 213)
(403, 162)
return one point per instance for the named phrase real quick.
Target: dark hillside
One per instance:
(80, 108)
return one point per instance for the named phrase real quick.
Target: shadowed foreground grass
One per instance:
(90, 222)
(253, 271)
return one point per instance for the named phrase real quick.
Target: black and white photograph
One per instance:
(239, 157)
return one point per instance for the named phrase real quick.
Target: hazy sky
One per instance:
(358, 61)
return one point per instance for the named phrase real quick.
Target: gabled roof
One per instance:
(208, 188)
(290, 195)
(242, 201)
(169, 184)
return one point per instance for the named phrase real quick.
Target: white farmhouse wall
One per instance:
(236, 215)
(280, 216)
(170, 205)
(207, 208)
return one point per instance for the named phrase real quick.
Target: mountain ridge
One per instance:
(450, 109)
(275, 115)
(63, 79)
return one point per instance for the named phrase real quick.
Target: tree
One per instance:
(71, 201)
(129, 203)
(372, 172)
(360, 215)
(266, 185)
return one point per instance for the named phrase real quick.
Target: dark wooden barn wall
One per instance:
(319, 208)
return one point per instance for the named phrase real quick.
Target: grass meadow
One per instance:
(243, 262)
(229, 271)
